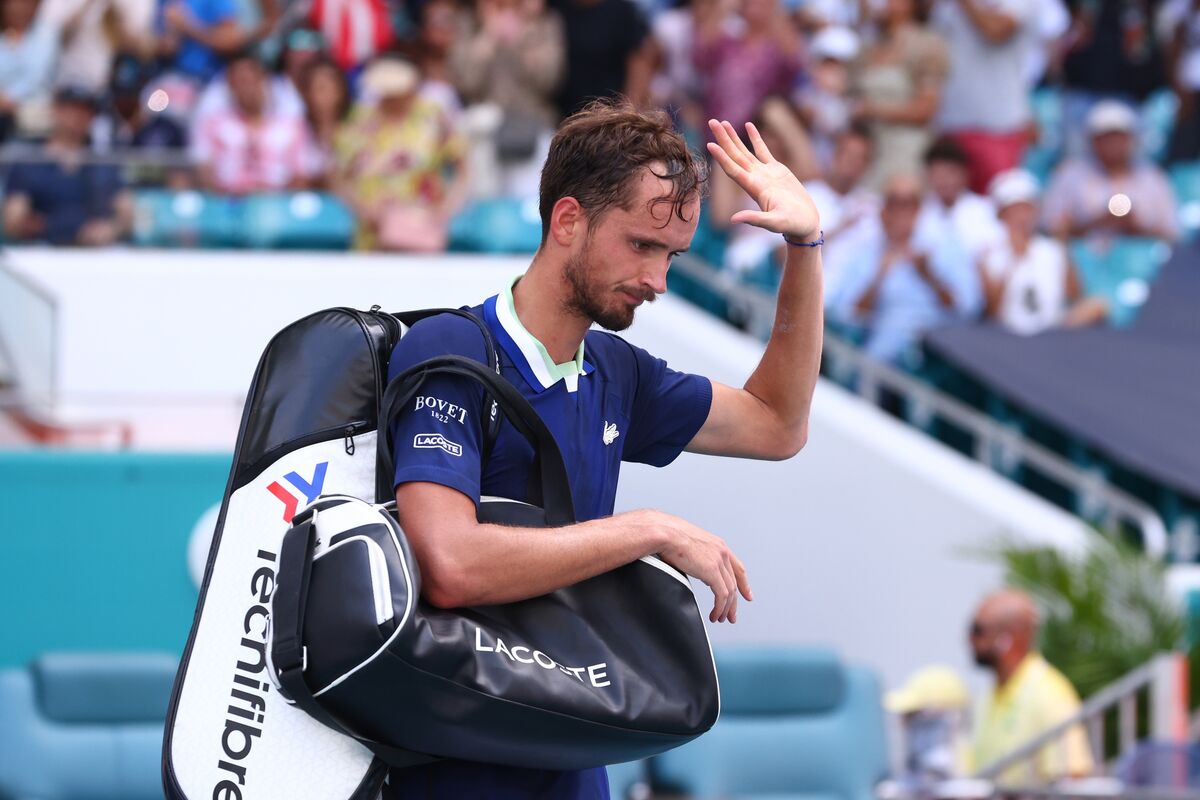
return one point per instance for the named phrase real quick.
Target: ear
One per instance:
(567, 221)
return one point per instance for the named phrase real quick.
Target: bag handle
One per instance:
(287, 653)
(551, 471)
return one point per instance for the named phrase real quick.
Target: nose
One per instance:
(656, 280)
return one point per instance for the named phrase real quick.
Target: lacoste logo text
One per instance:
(610, 432)
(435, 441)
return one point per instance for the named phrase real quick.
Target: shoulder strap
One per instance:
(287, 654)
(551, 470)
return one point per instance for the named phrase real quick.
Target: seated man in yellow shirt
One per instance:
(1029, 698)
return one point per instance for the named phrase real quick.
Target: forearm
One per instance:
(787, 374)
(535, 560)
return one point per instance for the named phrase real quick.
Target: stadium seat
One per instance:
(1185, 178)
(1155, 123)
(1120, 271)
(297, 220)
(795, 723)
(497, 225)
(84, 726)
(163, 218)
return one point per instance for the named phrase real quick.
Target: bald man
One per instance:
(897, 283)
(1030, 696)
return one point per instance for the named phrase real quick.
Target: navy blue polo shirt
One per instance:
(613, 402)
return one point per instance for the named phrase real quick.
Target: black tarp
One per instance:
(1132, 395)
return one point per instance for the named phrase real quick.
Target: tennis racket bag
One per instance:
(309, 427)
(612, 669)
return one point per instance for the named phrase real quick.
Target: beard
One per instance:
(587, 299)
(985, 659)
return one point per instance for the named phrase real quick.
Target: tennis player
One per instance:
(620, 197)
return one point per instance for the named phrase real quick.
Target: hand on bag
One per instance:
(707, 558)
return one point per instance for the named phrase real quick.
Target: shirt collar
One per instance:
(530, 355)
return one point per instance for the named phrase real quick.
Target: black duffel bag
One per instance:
(615, 668)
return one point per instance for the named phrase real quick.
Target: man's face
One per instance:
(851, 159)
(247, 85)
(624, 257)
(72, 120)
(947, 179)
(901, 202)
(1113, 148)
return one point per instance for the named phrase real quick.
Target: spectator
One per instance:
(934, 709)
(302, 48)
(676, 86)
(1180, 20)
(356, 30)
(899, 81)
(608, 53)
(1110, 54)
(847, 206)
(824, 102)
(1029, 282)
(1030, 695)
(195, 35)
(283, 97)
(898, 286)
(513, 56)
(327, 104)
(91, 32)
(28, 48)
(61, 196)
(130, 122)
(738, 72)
(985, 107)
(251, 147)
(1113, 192)
(392, 163)
(950, 208)
(441, 25)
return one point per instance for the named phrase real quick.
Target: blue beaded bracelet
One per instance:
(820, 241)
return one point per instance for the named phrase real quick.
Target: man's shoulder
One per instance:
(442, 334)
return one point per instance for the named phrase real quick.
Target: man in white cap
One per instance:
(1029, 282)
(824, 102)
(1112, 192)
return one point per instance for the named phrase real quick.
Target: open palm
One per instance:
(784, 204)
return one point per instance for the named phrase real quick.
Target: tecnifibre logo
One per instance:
(310, 489)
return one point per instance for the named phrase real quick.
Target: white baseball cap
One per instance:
(387, 77)
(1111, 116)
(1013, 186)
(836, 42)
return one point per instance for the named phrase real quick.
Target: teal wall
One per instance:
(94, 549)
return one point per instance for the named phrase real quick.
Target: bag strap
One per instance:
(549, 467)
(287, 653)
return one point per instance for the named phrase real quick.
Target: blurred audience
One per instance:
(302, 48)
(92, 32)
(513, 56)
(1029, 282)
(1180, 25)
(133, 120)
(327, 103)
(28, 48)
(934, 709)
(400, 163)
(1111, 192)
(195, 36)
(676, 85)
(848, 207)
(985, 106)
(59, 195)
(1030, 695)
(441, 23)
(951, 209)
(356, 30)
(738, 71)
(251, 146)
(609, 52)
(896, 285)
(899, 80)
(1110, 53)
(824, 101)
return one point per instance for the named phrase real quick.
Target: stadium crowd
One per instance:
(909, 120)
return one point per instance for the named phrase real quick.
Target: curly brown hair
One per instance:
(599, 151)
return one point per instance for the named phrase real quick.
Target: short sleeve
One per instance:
(669, 408)
(438, 434)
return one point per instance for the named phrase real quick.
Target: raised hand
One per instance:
(783, 202)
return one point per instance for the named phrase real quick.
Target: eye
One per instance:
(637, 245)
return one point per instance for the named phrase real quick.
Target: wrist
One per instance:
(805, 240)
